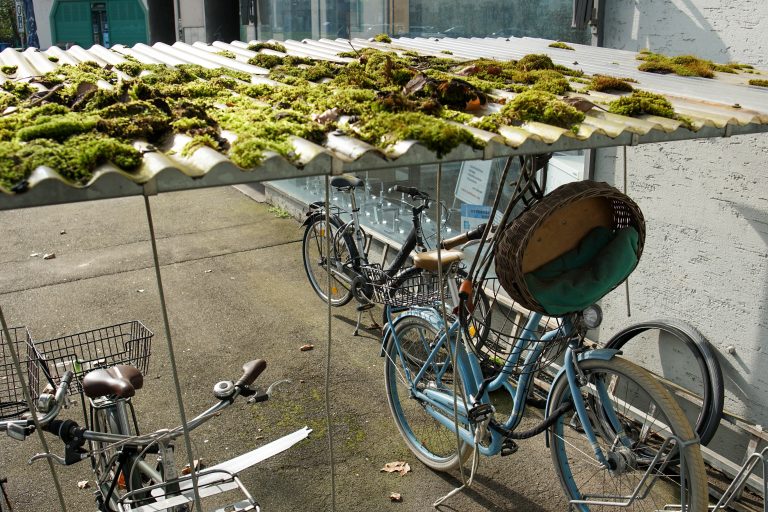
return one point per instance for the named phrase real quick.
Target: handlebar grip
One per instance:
(251, 370)
(472, 234)
(450, 243)
(411, 191)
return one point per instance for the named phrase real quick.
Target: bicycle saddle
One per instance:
(429, 261)
(121, 381)
(346, 181)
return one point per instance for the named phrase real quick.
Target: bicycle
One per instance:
(353, 276)
(703, 390)
(617, 437)
(127, 479)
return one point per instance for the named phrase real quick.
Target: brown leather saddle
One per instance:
(120, 381)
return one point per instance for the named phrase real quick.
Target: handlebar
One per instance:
(411, 191)
(472, 234)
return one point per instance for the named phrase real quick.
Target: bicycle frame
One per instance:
(440, 404)
(414, 240)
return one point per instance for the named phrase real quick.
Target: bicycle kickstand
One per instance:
(360, 309)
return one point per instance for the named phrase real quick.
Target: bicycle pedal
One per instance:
(508, 447)
(480, 412)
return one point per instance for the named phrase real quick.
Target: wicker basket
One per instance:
(556, 225)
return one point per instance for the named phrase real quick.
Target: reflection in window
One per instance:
(467, 192)
(300, 19)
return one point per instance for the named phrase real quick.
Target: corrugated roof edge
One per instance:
(165, 170)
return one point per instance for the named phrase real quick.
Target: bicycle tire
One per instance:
(313, 248)
(431, 442)
(646, 407)
(711, 374)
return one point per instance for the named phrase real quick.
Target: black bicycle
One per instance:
(352, 275)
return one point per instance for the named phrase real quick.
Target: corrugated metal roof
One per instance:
(708, 103)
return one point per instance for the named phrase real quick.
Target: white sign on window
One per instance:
(473, 181)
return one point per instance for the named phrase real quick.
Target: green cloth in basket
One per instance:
(585, 274)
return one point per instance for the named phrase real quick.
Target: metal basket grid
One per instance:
(12, 401)
(421, 289)
(126, 343)
(498, 327)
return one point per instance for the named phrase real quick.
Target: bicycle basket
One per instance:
(12, 400)
(499, 330)
(126, 343)
(418, 289)
(570, 248)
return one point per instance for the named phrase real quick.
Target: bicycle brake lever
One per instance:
(51, 456)
(263, 396)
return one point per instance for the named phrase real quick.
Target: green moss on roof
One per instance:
(643, 102)
(543, 107)
(759, 83)
(685, 65)
(267, 46)
(561, 45)
(266, 60)
(611, 83)
(9, 70)
(382, 38)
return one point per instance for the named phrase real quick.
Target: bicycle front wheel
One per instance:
(632, 415)
(317, 260)
(432, 442)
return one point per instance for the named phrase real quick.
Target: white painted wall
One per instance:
(705, 202)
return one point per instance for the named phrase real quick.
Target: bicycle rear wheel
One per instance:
(646, 414)
(696, 368)
(430, 441)
(317, 261)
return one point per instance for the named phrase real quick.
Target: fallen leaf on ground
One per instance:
(396, 467)
(83, 484)
(198, 466)
(395, 496)
(306, 347)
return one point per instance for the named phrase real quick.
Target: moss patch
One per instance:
(561, 45)
(610, 83)
(382, 38)
(759, 83)
(685, 65)
(9, 70)
(643, 102)
(267, 46)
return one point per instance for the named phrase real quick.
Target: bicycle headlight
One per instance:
(593, 316)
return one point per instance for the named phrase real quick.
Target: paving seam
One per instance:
(148, 267)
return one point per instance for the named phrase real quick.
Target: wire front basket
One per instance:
(126, 343)
(12, 400)
(509, 338)
(406, 290)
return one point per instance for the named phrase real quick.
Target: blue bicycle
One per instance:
(617, 438)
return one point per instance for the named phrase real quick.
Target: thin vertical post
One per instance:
(328, 420)
(171, 356)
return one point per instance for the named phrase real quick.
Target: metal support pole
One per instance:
(28, 397)
(171, 356)
(328, 420)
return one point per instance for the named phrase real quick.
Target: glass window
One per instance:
(299, 19)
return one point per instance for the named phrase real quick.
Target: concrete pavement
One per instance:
(236, 290)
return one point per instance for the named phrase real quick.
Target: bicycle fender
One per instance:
(602, 354)
(311, 217)
(428, 314)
